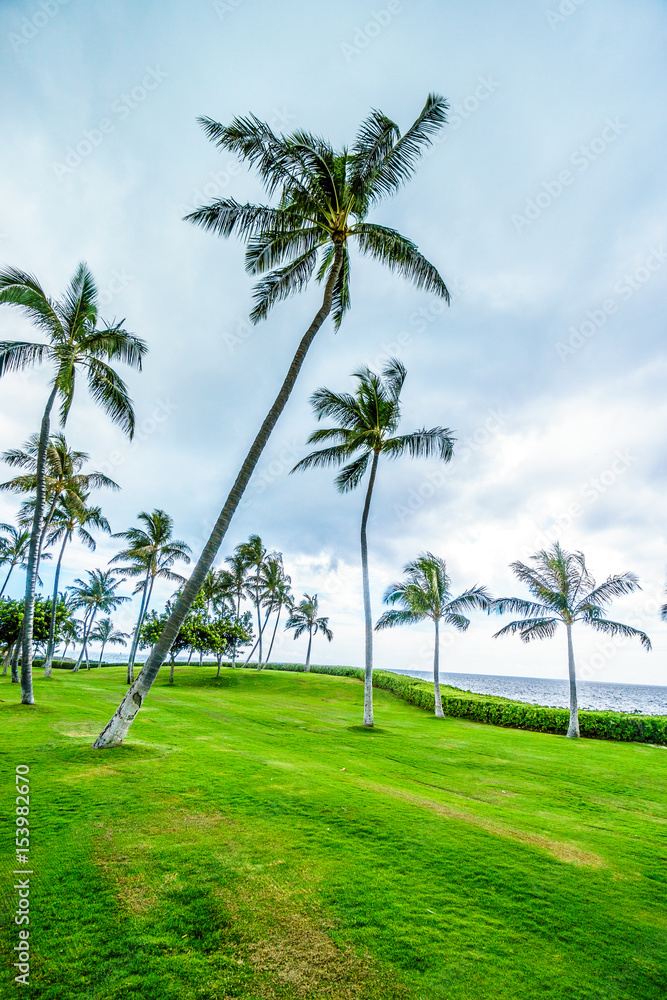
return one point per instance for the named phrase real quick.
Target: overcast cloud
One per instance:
(543, 207)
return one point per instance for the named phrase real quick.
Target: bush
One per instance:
(503, 712)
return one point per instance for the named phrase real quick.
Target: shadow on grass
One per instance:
(369, 730)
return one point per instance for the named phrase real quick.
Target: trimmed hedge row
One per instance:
(502, 712)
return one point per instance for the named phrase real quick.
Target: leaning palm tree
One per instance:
(565, 592)
(73, 344)
(426, 594)
(13, 549)
(366, 425)
(323, 198)
(151, 554)
(72, 515)
(96, 594)
(105, 633)
(303, 618)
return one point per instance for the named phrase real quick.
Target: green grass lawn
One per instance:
(252, 840)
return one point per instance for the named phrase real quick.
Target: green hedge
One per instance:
(503, 712)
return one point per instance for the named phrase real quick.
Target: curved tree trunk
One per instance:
(573, 727)
(117, 727)
(6, 658)
(7, 579)
(275, 629)
(368, 620)
(87, 628)
(27, 696)
(436, 672)
(51, 647)
(99, 664)
(310, 642)
(15, 662)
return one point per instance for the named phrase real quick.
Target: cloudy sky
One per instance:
(543, 206)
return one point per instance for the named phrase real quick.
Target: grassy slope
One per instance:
(250, 840)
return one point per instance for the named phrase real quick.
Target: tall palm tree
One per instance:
(105, 633)
(73, 343)
(323, 198)
(151, 553)
(13, 549)
(96, 594)
(278, 594)
(236, 577)
(63, 477)
(254, 553)
(366, 425)
(303, 618)
(565, 593)
(426, 594)
(72, 515)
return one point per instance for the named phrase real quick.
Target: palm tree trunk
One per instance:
(86, 632)
(27, 696)
(7, 579)
(368, 620)
(190, 656)
(6, 658)
(64, 653)
(171, 672)
(101, 654)
(219, 657)
(135, 638)
(251, 652)
(260, 665)
(275, 629)
(15, 660)
(238, 613)
(310, 642)
(436, 672)
(50, 649)
(573, 727)
(118, 726)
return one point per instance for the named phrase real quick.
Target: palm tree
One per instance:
(303, 618)
(366, 424)
(13, 549)
(217, 592)
(73, 343)
(324, 196)
(426, 593)
(70, 516)
(105, 633)
(236, 577)
(565, 592)
(151, 553)
(63, 477)
(254, 553)
(281, 597)
(97, 594)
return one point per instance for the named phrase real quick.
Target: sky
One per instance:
(542, 204)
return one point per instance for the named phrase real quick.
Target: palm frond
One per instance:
(436, 442)
(17, 355)
(530, 628)
(614, 586)
(351, 475)
(617, 628)
(400, 255)
(110, 392)
(395, 617)
(281, 283)
(22, 289)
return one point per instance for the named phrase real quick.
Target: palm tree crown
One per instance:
(565, 592)
(304, 618)
(325, 195)
(13, 549)
(426, 593)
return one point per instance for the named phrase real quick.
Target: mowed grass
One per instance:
(252, 840)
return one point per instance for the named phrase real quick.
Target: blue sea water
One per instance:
(645, 698)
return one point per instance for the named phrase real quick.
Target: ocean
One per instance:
(648, 699)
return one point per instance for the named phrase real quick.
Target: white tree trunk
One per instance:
(368, 619)
(436, 672)
(310, 643)
(573, 727)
